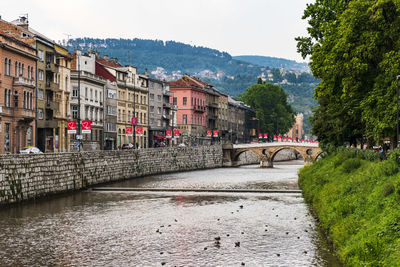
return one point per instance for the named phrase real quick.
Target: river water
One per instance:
(125, 228)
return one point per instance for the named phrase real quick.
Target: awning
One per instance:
(159, 137)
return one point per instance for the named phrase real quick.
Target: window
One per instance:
(141, 118)
(5, 66)
(159, 110)
(40, 94)
(111, 110)
(74, 112)
(111, 127)
(9, 67)
(158, 123)
(40, 114)
(29, 135)
(16, 101)
(40, 75)
(184, 119)
(86, 93)
(151, 96)
(111, 93)
(16, 69)
(151, 109)
(141, 99)
(144, 99)
(24, 100)
(159, 98)
(74, 91)
(40, 55)
(91, 94)
(29, 72)
(184, 101)
(95, 95)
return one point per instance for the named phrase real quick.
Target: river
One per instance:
(130, 228)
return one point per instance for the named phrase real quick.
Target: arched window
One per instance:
(16, 69)
(22, 69)
(29, 72)
(19, 69)
(25, 100)
(9, 66)
(9, 98)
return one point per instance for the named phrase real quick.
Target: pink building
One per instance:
(190, 99)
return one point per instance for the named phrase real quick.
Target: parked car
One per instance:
(30, 150)
(127, 146)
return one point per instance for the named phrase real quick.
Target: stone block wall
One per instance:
(24, 177)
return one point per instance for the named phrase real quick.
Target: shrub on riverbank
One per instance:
(357, 200)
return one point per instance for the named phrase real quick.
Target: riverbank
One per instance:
(356, 199)
(25, 177)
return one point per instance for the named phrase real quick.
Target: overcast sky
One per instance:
(239, 27)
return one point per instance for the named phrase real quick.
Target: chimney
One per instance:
(23, 21)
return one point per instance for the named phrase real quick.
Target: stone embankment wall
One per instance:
(249, 157)
(24, 177)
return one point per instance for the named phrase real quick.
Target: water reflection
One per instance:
(177, 229)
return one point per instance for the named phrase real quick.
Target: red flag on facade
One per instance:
(209, 133)
(275, 138)
(215, 133)
(86, 127)
(265, 135)
(260, 136)
(129, 130)
(176, 133)
(71, 125)
(139, 131)
(168, 134)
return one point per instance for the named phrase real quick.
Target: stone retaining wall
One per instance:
(24, 177)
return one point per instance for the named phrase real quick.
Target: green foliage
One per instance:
(270, 104)
(356, 201)
(354, 48)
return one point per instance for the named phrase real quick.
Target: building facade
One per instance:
(296, 132)
(89, 87)
(17, 94)
(190, 100)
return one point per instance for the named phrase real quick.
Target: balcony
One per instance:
(213, 105)
(52, 86)
(198, 108)
(22, 81)
(50, 124)
(19, 112)
(52, 105)
(51, 67)
(167, 105)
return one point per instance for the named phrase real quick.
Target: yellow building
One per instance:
(132, 102)
(62, 96)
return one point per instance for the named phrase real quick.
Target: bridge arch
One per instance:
(301, 152)
(236, 158)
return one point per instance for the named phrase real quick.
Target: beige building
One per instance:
(297, 129)
(132, 101)
(62, 96)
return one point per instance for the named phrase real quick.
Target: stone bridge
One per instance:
(266, 152)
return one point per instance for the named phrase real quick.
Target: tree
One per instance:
(269, 103)
(353, 47)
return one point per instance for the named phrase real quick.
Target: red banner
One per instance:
(139, 131)
(260, 136)
(275, 138)
(71, 125)
(134, 121)
(284, 139)
(265, 135)
(168, 134)
(209, 133)
(129, 130)
(176, 133)
(86, 127)
(215, 133)
(280, 137)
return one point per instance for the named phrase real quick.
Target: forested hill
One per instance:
(170, 60)
(275, 62)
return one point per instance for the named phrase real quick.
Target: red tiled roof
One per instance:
(184, 82)
(108, 63)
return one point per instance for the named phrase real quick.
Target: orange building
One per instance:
(17, 94)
